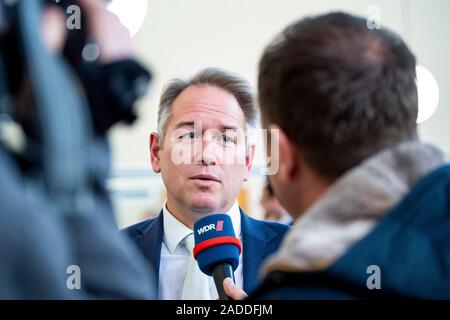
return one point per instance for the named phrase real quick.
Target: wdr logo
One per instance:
(218, 227)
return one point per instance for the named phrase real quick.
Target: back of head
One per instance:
(339, 90)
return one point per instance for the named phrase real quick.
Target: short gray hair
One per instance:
(216, 77)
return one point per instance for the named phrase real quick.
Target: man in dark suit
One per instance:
(203, 154)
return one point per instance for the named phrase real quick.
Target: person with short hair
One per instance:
(203, 154)
(370, 200)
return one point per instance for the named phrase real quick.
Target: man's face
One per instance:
(203, 159)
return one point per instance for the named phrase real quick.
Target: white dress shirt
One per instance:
(174, 257)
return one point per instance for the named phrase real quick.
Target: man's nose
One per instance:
(206, 156)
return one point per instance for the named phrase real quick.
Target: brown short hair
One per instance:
(339, 90)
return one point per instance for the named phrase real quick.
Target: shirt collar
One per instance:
(175, 231)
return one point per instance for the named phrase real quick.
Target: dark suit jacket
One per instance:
(259, 240)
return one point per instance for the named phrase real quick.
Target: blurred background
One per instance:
(176, 38)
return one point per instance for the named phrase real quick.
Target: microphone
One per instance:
(217, 249)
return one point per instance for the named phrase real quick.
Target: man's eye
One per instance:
(188, 136)
(228, 140)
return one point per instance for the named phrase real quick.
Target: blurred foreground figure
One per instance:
(371, 201)
(58, 239)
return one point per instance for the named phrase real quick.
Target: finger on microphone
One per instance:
(232, 290)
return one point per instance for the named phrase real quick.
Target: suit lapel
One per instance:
(150, 243)
(254, 250)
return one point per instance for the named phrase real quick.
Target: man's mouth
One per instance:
(205, 178)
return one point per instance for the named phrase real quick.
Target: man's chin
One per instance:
(205, 204)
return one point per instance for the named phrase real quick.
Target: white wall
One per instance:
(181, 36)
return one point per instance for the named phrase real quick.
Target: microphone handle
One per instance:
(219, 274)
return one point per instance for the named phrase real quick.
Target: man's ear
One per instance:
(155, 149)
(288, 155)
(249, 161)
